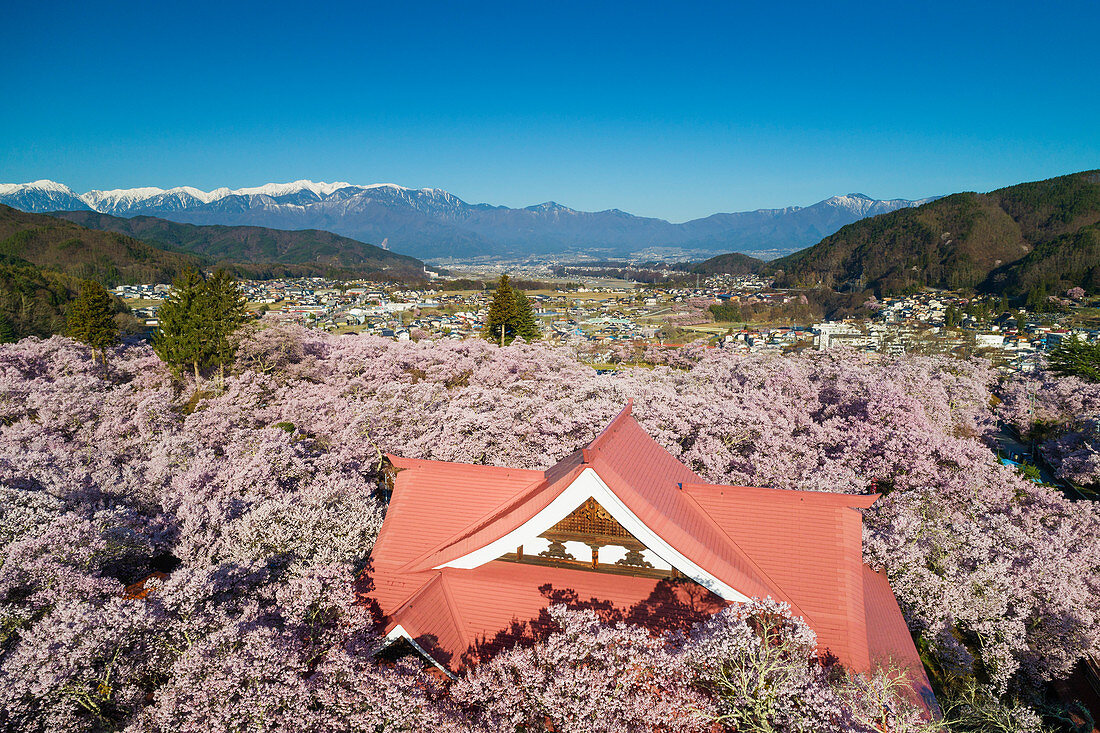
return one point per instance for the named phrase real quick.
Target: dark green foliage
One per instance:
(1067, 261)
(1038, 301)
(32, 300)
(952, 317)
(505, 317)
(730, 312)
(259, 252)
(733, 263)
(183, 337)
(1077, 358)
(87, 254)
(1007, 240)
(527, 328)
(227, 306)
(91, 317)
(7, 330)
(197, 323)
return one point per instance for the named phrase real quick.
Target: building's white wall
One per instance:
(590, 485)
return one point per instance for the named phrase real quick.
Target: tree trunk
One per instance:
(197, 377)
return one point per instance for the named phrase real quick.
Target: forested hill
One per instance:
(1039, 234)
(257, 245)
(733, 263)
(43, 259)
(79, 252)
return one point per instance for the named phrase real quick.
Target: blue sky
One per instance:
(664, 109)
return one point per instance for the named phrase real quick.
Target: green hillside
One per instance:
(1008, 240)
(258, 251)
(43, 259)
(32, 300)
(733, 263)
(78, 252)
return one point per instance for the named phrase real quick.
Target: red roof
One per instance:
(801, 547)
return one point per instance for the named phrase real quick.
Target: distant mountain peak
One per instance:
(548, 206)
(43, 184)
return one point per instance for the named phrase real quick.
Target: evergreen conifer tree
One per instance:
(91, 318)
(7, 330)
(185, 337)
(1076, 358)
(503, 318)
(527, 328)
(228, 312)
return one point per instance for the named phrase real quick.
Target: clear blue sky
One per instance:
(665, 109)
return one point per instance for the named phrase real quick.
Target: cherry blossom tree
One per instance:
(260, 504)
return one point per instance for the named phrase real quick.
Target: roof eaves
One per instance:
(439, 555)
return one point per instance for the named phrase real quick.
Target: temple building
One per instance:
(469, 557)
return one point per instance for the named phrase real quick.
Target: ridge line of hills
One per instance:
(44, 257)
(432, 223)
(250, 249)
(1040, 235)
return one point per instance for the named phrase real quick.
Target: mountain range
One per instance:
(1040, 234)
(431, 223)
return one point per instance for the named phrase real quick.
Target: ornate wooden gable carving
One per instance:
(594, 526)
(591, 522)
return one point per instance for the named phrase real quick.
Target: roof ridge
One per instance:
(452, 605)
(396, 459)
(611, 427)
(420, 589)
(855, 501)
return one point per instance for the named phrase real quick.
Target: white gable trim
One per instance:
(398, 632)
(587, 485)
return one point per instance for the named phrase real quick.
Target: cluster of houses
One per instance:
(944, 323)
(613, 318)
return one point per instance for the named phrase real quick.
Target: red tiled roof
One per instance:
(888, 639)
(810, 544)
(801, 547)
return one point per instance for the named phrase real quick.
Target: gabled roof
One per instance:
(800, 547)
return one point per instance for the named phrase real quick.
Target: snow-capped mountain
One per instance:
(41, 196)
(432, 223)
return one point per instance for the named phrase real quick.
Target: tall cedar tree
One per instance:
(1076, 358)
(198, 321)
(228, 313)
(527, 328)
(184, 335)
(504, 317)
(91, 318)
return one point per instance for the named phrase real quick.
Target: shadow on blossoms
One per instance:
(245, 514)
